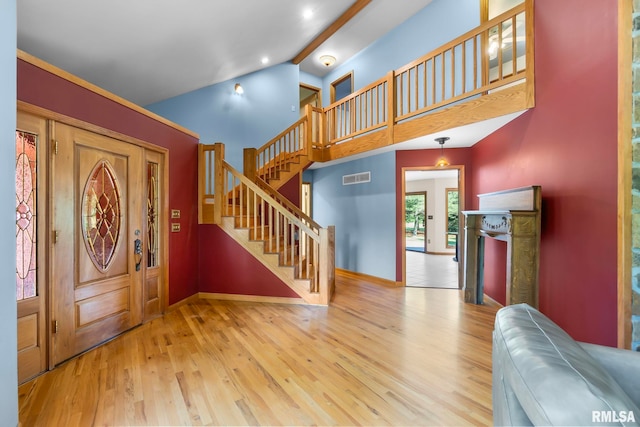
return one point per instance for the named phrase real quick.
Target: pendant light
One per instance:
(442, 161)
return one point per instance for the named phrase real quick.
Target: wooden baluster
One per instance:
(416, 88)
(283, 250)
(292, 236)
(464, 67)
(255, 216)
(433, 79)
(271, 229)
(442, 76)
(277, 231)
(453, 72)
(500, 65)
(514, 49)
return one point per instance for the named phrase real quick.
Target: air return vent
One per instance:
(356, 178)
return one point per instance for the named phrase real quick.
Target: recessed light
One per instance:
(264, 60)
(307, 14)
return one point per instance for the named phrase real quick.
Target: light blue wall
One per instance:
(438, 23)
(218, 114)
(8, 338)
(364, 214)
(310, 79)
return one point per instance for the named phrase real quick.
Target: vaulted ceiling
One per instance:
(149, 50)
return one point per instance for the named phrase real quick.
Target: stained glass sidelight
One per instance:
(25, 215)
(152, 214)
(101, 215)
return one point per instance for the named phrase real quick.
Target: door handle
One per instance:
(137, 250)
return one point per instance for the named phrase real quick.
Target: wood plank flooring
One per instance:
(376, 356)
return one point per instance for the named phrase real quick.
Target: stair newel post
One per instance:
(202, 184)
(250, 163)
(308, 134)
(250, 171)
(218, 182)
(391, 104)
(326, 271)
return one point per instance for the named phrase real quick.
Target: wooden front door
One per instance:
(98, 207)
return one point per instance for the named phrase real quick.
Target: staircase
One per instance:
(286, 155)
(276, 232)
(454, 85)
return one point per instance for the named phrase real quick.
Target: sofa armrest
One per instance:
(622, 365)
(554, 379)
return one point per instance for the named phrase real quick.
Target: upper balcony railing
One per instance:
(491, 57)
(494, 55)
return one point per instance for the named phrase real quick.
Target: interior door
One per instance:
(97, 217)
(31, 196)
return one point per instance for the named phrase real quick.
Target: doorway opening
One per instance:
(341, 87)
(431, 229)
(415, 206)
(309, 95)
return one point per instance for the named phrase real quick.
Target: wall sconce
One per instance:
(327, 60)
(238, 89)
(442, 161)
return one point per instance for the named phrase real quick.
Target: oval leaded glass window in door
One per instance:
(101, 215)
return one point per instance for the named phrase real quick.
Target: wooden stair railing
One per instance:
(303, 248)
(289, 152)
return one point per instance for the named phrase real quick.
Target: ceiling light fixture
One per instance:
(307, 14)
(238, 89)
(442, 161)
(327, 60)
(264, 60)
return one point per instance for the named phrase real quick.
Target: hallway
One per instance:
(431, 271)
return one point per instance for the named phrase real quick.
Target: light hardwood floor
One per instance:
(376, 356)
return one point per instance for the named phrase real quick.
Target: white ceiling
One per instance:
(149, 50)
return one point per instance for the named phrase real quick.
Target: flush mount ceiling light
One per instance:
(442, 161)
(264, 60)
(238, 89)
(327, 60)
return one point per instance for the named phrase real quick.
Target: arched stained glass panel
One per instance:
(101, 215)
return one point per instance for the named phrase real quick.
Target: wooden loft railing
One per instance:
(492, 64)
(485, 73)
(289, 239)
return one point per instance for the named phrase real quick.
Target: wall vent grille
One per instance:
(356, 178)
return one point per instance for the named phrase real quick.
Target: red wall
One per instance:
(41, 88)
(291, 190)
(568, 145)
(426, 158)
(226, 267)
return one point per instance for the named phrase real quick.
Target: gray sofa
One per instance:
(541, 376)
